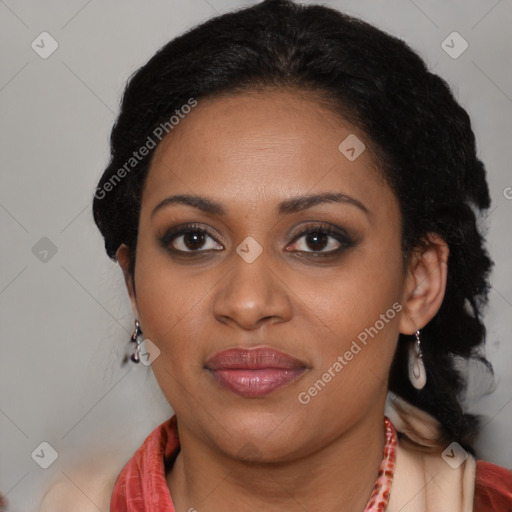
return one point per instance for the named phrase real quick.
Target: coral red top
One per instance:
(142, 487)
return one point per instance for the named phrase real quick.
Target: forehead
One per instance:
(256, 148)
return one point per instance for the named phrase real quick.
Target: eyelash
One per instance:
(342, 237)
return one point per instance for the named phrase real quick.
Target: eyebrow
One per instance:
(289, 206)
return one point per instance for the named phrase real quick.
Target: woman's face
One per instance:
(248, 277)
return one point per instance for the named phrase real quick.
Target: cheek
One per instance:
(173, 303)
(352, 372)
(165, 298)
(354, 295)
(359, 308)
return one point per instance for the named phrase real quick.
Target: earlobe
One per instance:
(425, 284)
(124, 260)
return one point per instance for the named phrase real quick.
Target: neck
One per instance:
(339, 476)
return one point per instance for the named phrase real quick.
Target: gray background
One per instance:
(65, 321)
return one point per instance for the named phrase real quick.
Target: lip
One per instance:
(254, 372)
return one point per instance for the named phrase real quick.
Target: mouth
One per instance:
(255, 372)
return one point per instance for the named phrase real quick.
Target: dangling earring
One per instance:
(136, 339)
(417, 373)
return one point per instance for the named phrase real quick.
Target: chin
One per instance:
(262, 436)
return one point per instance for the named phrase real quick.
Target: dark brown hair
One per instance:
(423, 136)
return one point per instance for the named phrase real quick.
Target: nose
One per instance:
(252, 294)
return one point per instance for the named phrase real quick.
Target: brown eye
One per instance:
(320, 240)
(317, 241)
(193, 241)
(189, 239)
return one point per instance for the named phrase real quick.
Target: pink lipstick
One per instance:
(254, 372)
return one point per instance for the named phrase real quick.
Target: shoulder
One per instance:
(493, 487)
(83, 489)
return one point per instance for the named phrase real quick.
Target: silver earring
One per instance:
(136, 339)
(417, 373)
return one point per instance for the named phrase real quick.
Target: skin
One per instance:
(249, 152)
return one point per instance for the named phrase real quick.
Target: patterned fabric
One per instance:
(380, 496)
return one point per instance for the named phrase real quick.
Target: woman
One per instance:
(291, 197)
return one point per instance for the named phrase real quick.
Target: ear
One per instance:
(425, 284)
(124, 260)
